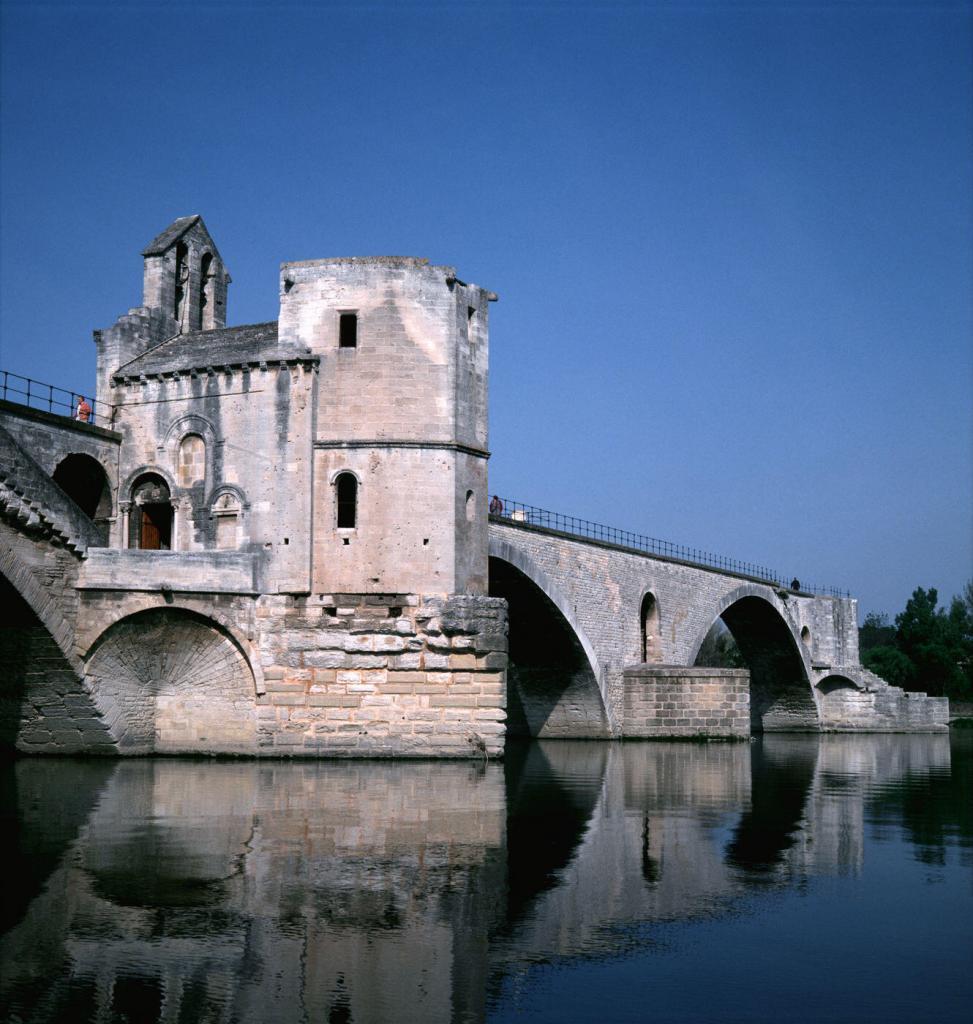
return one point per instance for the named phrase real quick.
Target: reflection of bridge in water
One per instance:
(372, 891)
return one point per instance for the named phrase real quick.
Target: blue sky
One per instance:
(733, 243)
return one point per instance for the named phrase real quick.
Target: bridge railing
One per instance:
(49, 398)
(531, 515)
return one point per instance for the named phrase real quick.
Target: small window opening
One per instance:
(348, 330)
(182, 282)
(425, 540)
(470, 313)
(470, 507)
(204, 315)
(649, 621)
(346, 540)
(331, 610)
(395, 611)
(346, 488)
(287, 540)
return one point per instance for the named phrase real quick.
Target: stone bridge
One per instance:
(603, 639)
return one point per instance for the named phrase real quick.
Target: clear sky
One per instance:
(733, 242)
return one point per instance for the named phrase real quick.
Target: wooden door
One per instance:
(155, 531)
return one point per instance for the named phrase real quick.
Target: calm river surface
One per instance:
(789, 879)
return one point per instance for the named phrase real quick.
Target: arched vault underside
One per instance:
(43, 705)
(552, 689)
(780, 691)
(172, 681)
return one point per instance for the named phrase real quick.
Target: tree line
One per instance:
(929, 648)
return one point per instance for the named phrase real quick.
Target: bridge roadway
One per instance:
(603, 639)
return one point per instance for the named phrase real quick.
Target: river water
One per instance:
(794, 878)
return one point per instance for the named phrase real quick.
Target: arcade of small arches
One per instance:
(156, 499)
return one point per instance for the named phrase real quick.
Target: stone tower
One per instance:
(185, 278)
(400, 442)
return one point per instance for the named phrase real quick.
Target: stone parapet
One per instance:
(212, 572)
(663, 701)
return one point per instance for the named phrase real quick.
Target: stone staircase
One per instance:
(32, 502)
(878, 706)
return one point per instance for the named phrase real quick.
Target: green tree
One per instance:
(891, 664)
(929, 649)
(876, 631)
(719, 649)
(931, 641)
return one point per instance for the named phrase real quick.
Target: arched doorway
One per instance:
(85, 482)
(150, 521)
(780, 692)
(552, 691)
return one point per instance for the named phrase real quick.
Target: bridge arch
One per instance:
(842, 700)
(171, 679)
(781, 695)
(210, 615)
(84, 480)
(44, 706)
(553, 678)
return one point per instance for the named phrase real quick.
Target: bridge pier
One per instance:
(670, 701)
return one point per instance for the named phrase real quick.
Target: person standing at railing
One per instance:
(83, 412)
(496, 506)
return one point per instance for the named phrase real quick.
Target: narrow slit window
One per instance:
(346, 487)
(348, 330)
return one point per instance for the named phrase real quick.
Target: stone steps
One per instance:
(894, 702)
(33, 502)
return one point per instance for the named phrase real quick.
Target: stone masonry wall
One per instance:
(255, 422)
(50, 438)
(671, 701)
(382, 675)
(600, 590)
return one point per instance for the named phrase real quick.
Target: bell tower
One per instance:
(184, 277)
(184, 285)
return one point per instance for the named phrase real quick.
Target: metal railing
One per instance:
(49, 398)
(530, 515)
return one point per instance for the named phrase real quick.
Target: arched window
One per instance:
(470, 507)
(206, 292)
(346, 494)
(182, 282)
(192, 461)
(150, 522)
(649, 618)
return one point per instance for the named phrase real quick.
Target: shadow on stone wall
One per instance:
(551, 688)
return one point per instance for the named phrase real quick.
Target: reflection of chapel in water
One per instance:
(343, 890)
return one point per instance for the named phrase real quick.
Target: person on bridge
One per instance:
(83, 412)
(496, 506)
